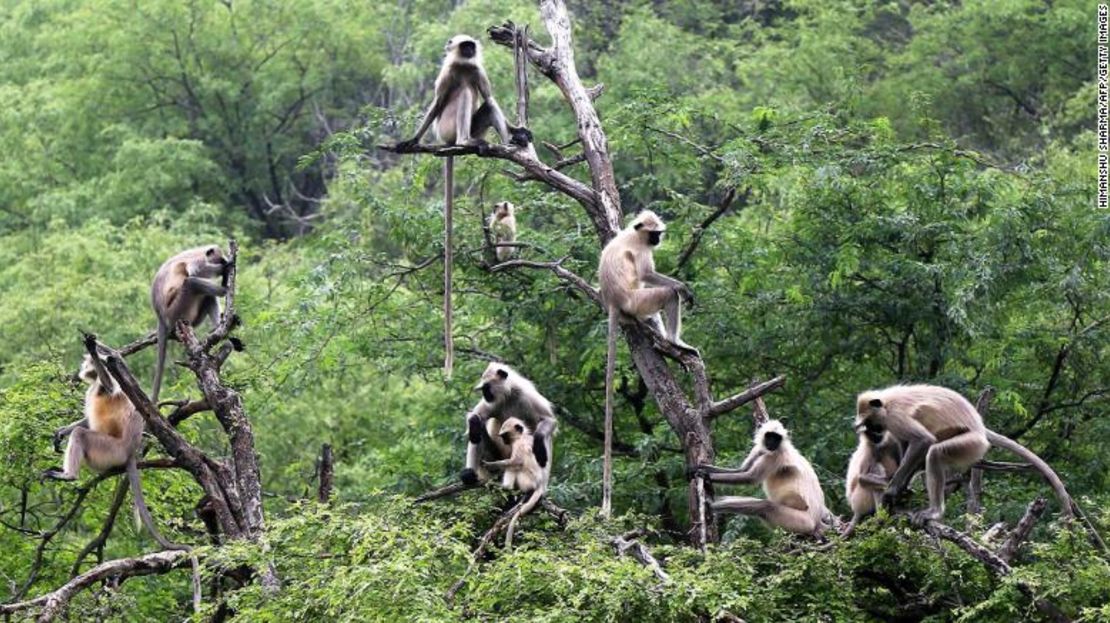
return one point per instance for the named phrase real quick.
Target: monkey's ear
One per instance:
(875, 403)
(503, 373)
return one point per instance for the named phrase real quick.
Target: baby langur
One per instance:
(630, 285)
(460, 120)
(943, 429)
(182, 290)
(872, 464)
(109, 436)
(506, 395)
(502, 223)
(522, 471)
(794, 501)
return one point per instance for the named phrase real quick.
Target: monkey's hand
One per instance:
(90, 341)
(59, 437)
(406, 145)
(700, 471)
(687, 295)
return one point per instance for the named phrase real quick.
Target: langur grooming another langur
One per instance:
(872, 464)
(630, 285)
(522, 471)
(460, 119)
(502, 224)
(794, 501)
(943, 429)
(182, 291)
(506, 395)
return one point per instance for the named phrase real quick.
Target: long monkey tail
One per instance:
(524, 509)
(148, 521)
(448, 260)
(607, 460)
(1038, 464)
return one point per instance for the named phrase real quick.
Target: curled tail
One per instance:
(143, 514)
(1002, 441)
(448, 260)
(607, 461)
(524, 509)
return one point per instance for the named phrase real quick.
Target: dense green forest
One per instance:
(858, 193)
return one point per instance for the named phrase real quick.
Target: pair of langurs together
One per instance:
(463, 111)
(110, 435)
(901, 429)
(512, 428)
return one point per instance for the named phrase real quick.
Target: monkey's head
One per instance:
(771, 435)
(648, 227)
(209, 262)
(495, 382)
(463, 49)
(511, 430)
(504, 209)
(870, 416)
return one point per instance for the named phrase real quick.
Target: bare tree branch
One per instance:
(628, 545)
(55, 602)
(754, 391)
(1010, 547)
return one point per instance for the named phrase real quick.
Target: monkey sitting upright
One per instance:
(459, 120)
(506, 394)
(502, 223)
(182, 291)
(795, 501)
(522, 471)
(872, 464)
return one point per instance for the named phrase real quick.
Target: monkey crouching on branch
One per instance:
(795, 501)
(502, 224)
(872, 464)
(109, 436)
(943, 430)
(460, 119)
(506, 394)
(182, 291)
(522, 472)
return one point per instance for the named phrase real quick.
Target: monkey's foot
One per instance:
(472, 477)
(56, 474)
(922, 517)
(686, 347)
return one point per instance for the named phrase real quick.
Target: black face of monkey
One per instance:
(487, 393)
(467, 49)
(874, 431)
(487, 387)
(654, 236)
(772, 441)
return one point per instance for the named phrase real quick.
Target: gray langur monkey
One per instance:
(522, 471)
(182, 291)
(869, 470)
(630, 285)
(795, 501)
(460, 119)
(943, 430)
(506, 394)
(502, 224)
(109, 436)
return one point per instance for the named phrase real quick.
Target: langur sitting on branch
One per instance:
(795, 501)
(522, 472)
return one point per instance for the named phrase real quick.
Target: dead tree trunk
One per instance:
(689, 416)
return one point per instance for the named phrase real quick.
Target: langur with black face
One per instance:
(943, 430)
(872, 464)
(109, 436)
(502, 224)
(506, 394)
(795, 501)
(630, 285)
(460, 119)
(183, 291)
(522, 472)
